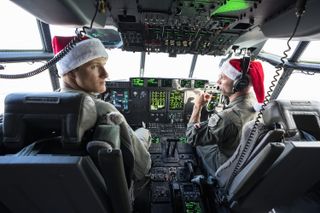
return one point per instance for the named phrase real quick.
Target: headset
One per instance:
(242, 81)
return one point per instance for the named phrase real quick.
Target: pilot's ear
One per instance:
(72, 74)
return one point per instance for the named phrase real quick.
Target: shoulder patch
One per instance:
(214, 120)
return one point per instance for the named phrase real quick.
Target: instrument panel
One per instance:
(155, 100)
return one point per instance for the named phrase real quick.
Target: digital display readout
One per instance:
(137, 82)
(120, 100)
(199, 83)
(152, 82)
(176, 100)
(157, 100)
(155, 139)
(185, 83)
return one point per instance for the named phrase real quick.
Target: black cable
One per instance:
(300, 7)
(240, 163)
(84, 28)
(46, 66)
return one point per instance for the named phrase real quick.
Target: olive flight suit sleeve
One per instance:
(129, 139)
(217, 130)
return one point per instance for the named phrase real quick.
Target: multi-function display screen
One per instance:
(137, 82)
(199, 83)
(120, 99)
(176, 100)
(157, 100)
(185, 83)
(152, 82)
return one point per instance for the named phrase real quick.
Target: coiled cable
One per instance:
(47, 65)
(279, 67)
(80, 34)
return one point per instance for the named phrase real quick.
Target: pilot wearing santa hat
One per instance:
(83, 71)
(218, 137)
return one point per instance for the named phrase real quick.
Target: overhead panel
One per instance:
(203, 27)
(183, 26)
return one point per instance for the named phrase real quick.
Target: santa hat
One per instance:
(232, 69)
(83, 52)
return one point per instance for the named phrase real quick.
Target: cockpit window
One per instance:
(278, 46)
(309, 55)
(19, 29)
(62, 31)
(122, 65)
(301, 86)
(37, 83)
(207, 67)
(161, 65)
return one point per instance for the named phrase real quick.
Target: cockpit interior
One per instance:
(86, 178)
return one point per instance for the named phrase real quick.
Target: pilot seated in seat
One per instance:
(82, 70)
(218, 137)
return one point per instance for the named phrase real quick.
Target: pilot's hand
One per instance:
(202, 99)
(197, 125)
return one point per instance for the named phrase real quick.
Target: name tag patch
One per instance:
(214, 120)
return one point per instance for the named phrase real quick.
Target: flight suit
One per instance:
(134, 141)
(218, 137)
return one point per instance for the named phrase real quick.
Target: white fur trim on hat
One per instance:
(230, 71)
(82, 53)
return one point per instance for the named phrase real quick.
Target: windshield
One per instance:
(122, 65)
(24, 37)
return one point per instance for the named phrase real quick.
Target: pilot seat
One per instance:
(56, 159)
(274, 166)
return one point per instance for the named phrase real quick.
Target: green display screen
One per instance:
(155, 139)
(231, 6)
(137, 82)
(192, 207)
(185, 83)
(152, 82)
(199, 83)
(176, 100)
(157, 100)
(183, 139)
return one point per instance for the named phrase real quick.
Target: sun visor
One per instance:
(72, 13)
(283, 25)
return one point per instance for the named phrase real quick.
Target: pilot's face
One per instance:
(225, 85)
(90, 77)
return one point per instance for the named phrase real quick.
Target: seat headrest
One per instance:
(286, 113)
(70, 114)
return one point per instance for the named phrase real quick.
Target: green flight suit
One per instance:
(218, 137)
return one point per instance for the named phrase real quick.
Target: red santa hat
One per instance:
(232, 69)
(83, 52)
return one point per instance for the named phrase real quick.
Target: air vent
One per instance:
(126, 18)
(242, 26)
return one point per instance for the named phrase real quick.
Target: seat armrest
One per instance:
(275, 135)
(113, 173)
(255, 170)
(109, 134)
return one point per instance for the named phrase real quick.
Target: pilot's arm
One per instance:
(199, 102)
(217, 130)
(131, 140)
